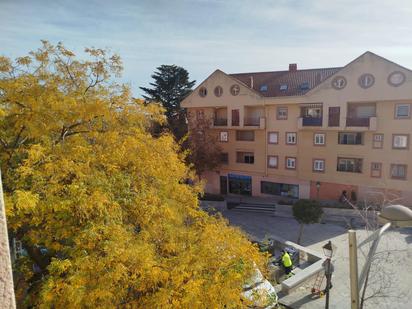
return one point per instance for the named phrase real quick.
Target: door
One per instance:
(334, 116)
(223, 185)
(240, 184)
(235, 117)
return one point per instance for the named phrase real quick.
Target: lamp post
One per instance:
(317, 189)
(391, 216)
(328, 250)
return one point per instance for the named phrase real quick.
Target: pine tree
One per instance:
(171, 85)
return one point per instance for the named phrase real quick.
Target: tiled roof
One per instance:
(293, 80)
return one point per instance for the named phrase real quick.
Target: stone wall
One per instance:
(6, 278)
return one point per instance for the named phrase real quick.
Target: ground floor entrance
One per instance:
(280, 189)
(240, 184)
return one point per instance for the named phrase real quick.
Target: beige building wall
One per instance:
(332, 182)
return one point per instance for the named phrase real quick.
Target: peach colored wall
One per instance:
(385, 97)
(331, 191)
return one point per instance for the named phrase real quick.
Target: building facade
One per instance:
(319, 133)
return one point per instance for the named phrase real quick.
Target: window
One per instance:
(346, 138)
(218, 91)
(282, 113)
(398, 171)
(264, 88)
(203, 92)
(349, 165)
(376, 169)
(200, 114)
(290, 163)
(224, 158)
(402, 111)
(366, 80)
(319, 139)
(245, 135)
(400, 141)
(339, 82)
(234, 90)
(291, 138)
(273, 137)
(318, 165)
(311, 112)
(283, 87)
(273, 161)
(304, 86)
(224, 136)
(281, 189)
(377, 141)
(245, 157)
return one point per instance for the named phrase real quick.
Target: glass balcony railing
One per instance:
(311, 121)
(357, 122)
(252, 121)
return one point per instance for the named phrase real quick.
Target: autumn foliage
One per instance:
(100, 205)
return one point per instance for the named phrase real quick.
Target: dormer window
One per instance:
(283, 87)
(304, 86)
(264, 88)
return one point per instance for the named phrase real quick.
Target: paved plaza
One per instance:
(391, 273)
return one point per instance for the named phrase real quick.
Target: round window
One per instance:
(203, 92)
(339, 82)
(218, 91)
(366, 80)
(396, 78)
(235, 89)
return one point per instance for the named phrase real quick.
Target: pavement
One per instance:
(391, 273)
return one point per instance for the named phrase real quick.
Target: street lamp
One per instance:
(328, 250)
(393, 215)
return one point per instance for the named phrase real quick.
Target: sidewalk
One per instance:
(390, 273)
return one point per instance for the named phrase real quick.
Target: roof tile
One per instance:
(293, 79)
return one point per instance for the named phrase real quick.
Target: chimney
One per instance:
(251, 82)
(293, 67)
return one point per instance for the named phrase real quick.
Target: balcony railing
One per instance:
(357, 122)
(220, 122)
(311, 122)
(252, 121)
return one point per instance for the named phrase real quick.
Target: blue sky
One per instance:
(201, 35)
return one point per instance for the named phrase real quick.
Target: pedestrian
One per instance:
(287, 263)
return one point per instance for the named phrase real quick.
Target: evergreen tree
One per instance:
(171, 85)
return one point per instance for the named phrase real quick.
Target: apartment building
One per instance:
(316, 133)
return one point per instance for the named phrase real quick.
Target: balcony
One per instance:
(309, 122)
(254, 122)
(361, 123)
(357, 122)
(219, 122)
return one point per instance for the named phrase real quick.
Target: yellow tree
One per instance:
(100, 205)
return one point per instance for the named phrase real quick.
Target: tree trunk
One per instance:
(300, 234)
